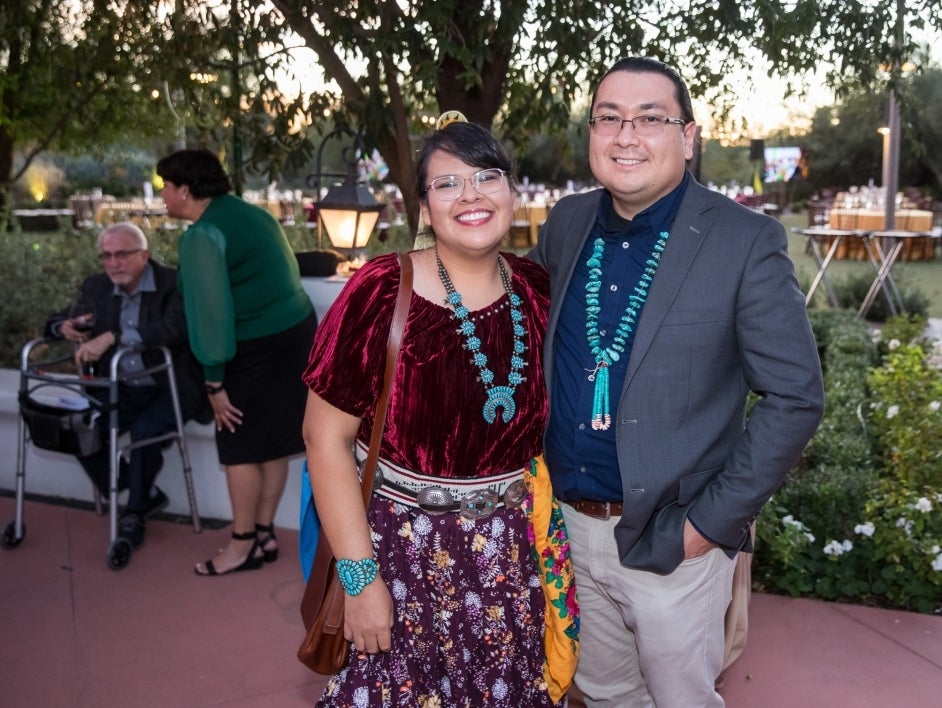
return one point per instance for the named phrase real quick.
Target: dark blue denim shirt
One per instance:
(583, 461)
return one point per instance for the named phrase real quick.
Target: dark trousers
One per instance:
(144, 412)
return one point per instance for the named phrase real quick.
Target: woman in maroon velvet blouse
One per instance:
(454, 614)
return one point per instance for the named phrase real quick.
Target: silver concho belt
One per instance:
(471, 498)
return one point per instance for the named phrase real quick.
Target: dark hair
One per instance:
(471, 143)
(646, 65)
(198, 169)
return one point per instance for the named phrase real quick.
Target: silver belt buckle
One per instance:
(479, 504)
(515, 494)
(434, 500)
(378, 478)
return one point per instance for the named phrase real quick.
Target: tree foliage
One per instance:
(844, 147)
(922, 125)
(72, 75)
(522, 66)
(81, 73)
(226, 86)
(85, 74)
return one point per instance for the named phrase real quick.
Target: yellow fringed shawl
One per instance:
(550, 544)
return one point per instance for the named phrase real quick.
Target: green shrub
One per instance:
(905, 328)
(859, 520)
(905, 546)
(906, 394)
(853, 289)
(890, 556)
(42, 273)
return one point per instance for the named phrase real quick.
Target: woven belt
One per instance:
(471, 498)
(596, 509)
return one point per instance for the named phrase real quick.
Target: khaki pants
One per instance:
(736, 621)
(646, 639)
(737, 614)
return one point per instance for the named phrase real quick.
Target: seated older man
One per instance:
(135, 302)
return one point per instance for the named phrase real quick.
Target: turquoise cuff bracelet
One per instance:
(356, 575)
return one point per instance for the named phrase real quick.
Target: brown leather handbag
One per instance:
(324, 649)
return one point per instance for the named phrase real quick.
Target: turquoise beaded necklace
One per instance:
(497, 396)
(601, 411)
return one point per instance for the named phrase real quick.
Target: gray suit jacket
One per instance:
(724, 316)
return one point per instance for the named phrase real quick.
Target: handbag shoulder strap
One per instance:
(392, 357)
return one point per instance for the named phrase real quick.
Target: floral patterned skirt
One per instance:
(468, 629)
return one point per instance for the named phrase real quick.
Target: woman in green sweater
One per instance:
(250, 325)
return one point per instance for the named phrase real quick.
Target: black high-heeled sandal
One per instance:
(269, 556)
(251, 562)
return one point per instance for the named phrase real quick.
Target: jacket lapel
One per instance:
(687, 233)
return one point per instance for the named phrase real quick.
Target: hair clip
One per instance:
(449, 117)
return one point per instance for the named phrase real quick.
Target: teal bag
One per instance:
(310, 528)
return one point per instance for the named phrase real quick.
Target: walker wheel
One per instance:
(9, 540)
(119, 553)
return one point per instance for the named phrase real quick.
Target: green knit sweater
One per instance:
(239, 280)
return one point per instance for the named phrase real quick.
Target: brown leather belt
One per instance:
(596, 509)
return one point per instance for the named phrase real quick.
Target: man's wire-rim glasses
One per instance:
(118, 255)
(448, 188)
(646, 124)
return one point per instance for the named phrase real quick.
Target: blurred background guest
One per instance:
(133, 302)
(251, 326)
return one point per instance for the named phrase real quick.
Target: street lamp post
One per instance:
(892, 143)
(348, 213)
(891, 147)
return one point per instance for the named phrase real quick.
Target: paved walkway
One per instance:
(74, 634)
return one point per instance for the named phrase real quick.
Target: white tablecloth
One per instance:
(323, 292)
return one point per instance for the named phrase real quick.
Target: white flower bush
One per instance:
(937, 561)
(789, 520)
(869, 484)
(838, 548)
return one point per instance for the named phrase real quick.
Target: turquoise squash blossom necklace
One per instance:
(497, 396)
(601, 410)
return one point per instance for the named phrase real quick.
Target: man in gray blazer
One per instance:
(670, 304)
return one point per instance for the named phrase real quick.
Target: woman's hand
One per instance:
(368, 618)
(227, 415)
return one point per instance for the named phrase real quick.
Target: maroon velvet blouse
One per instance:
(435, 424)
